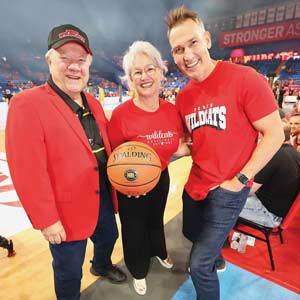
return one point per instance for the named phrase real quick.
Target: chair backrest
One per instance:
(292, 212)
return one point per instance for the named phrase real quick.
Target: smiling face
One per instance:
(145, 77)
(295, 125)
(190, 43)
(69, 67)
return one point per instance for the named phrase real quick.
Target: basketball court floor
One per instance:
(28, 274)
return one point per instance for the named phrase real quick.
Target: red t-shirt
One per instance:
(161, 129)
(295, 143)
(218, 113)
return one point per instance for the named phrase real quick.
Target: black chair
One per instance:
(8, 245)
(268, 231)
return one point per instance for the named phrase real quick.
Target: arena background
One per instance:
(112, 25)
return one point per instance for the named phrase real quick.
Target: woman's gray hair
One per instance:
(141, 47)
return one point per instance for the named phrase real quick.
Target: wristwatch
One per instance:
(242, 178)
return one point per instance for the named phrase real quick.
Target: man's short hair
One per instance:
(286, 129)
(180, 14)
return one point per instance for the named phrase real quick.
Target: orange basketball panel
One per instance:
(133, 167)
(134, 182)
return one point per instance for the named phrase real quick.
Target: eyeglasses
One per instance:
(150, 70)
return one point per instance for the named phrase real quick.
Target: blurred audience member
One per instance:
(295, 131)
(275, 187)
(7, 96)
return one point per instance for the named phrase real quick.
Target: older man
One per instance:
(57, 148)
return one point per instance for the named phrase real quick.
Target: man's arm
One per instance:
(183, 148)
(272, 137)
(254, 188)
(27, 159)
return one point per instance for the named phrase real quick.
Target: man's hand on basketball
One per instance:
(55, 233)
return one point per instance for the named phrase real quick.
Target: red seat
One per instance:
(267, 231)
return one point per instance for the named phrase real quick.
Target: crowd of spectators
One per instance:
(12, 83)
(12, 87)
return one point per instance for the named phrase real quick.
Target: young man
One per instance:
(223, 113)
(295, 130)
(57, 147)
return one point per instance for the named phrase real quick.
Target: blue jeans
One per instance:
(105, 234)
(207, 224)
(68, 257)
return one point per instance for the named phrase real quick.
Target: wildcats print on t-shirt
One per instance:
(207, 115)
(159, 138)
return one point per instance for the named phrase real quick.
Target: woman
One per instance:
(145, 118)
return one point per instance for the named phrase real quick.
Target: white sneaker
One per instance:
(140, 286)
(221, 265)
(167, 263)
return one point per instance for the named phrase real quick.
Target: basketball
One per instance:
(133, 168)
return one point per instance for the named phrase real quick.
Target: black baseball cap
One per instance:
(63, 34)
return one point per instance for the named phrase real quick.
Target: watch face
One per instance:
(242, 178)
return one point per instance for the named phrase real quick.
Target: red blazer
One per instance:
(51, 163)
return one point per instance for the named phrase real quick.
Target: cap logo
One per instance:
(73, 33)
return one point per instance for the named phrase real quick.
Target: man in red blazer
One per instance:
(57, 148)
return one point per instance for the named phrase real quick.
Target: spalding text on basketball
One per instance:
(126, 154)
